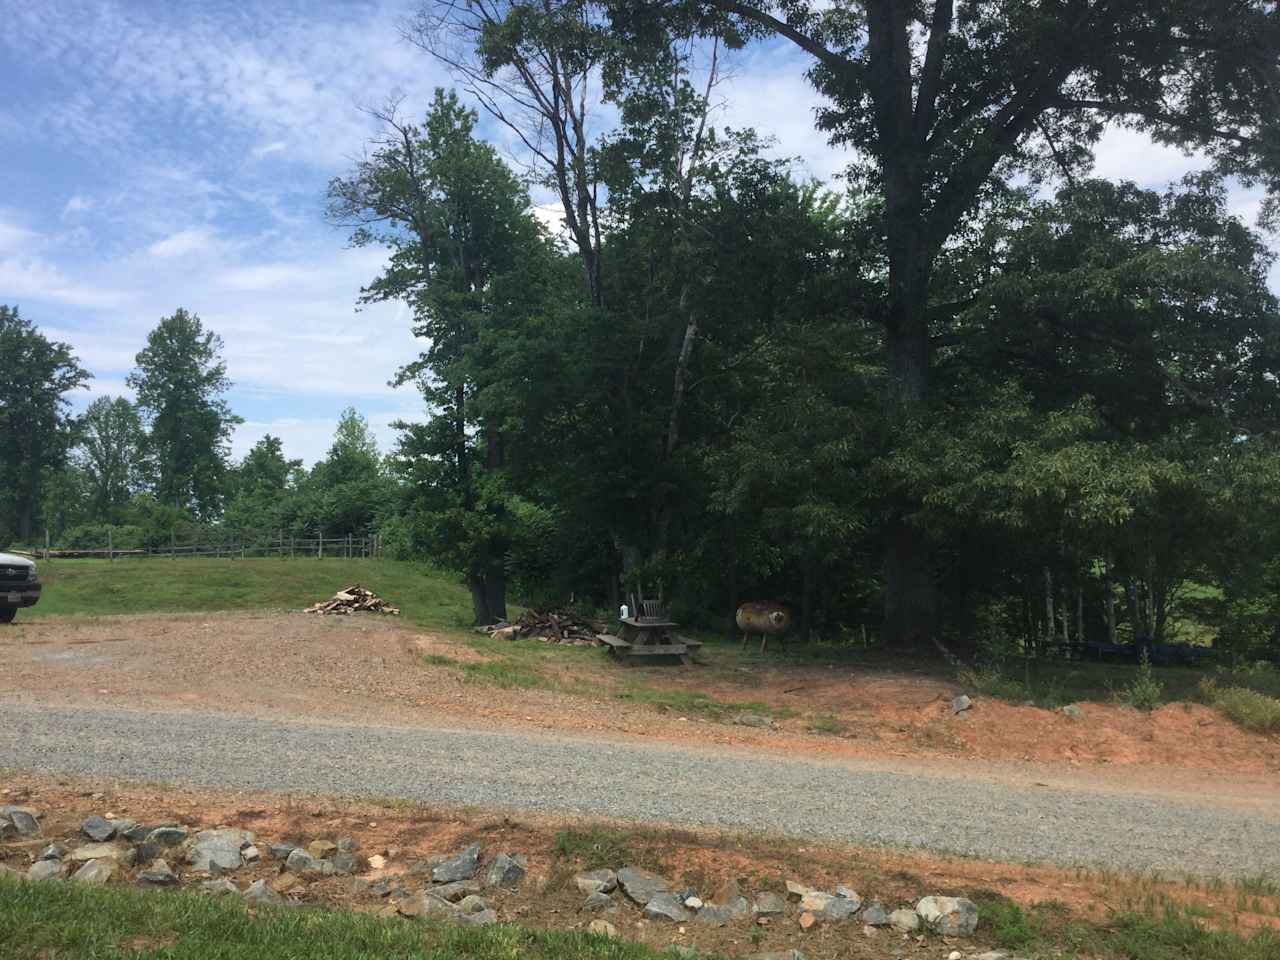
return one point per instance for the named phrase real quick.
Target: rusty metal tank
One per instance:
(763, 619)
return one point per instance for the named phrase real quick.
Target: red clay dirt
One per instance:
(370, 669)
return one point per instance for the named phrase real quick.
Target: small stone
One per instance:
(602, 928)
(260, 892)
(24, 824)
(280, 851)
(753, 720)
(472, 904)
(54, 851)
(796, 890)
(993, 955)
(1074, 711)
(377, 862)
(665, 906)
(453, 892)
(598, 901)
(47, 870)
(597, 881)
(875, 915)
(461, 866)
(826, 907)
(251, 854)
(286, 882)
(807, 920)
(218, 849)
(380, 888)
(717, 916)
(345, 862)
(949, 916)
(158, 874)
(321, 849)
(844, 893)
(102, 851)
(95, 872)
(98, 828)
(167, 836)
(904, 921)
(769, 904)
(693, 903)
(955, 955)
(641, 885)
(505, 870)
(424, 905)
(302, 862)
(348, 845)
(219, 886)
(960, 704)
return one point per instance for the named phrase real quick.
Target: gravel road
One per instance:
(860, 803)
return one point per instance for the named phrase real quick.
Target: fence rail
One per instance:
(347, 547)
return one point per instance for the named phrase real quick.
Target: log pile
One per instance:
(355, 599)
(549, 626)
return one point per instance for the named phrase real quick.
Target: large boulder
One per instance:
(505, 870)
(96, 872)
(47, 870)
(949, 916)
(666, 906)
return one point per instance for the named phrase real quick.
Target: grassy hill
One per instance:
(160, 585)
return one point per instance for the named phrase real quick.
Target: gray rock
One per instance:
(482, 919)
(95, 872)
(597, 881)
(641, 885)
(140, 831)
(219, 886)
(453, 892)
(301, 862)
(166, 836)
(218, 849)
(960, 704)
(718, 915)
(47, 870)
(158, 874)
(148, 851)
(322, 849)
(949, 916)
(381, 888)
(1073, 711)
(874, 915)
(461, 866)
(505, 870)
(98, 828)
(123, 827)
(753, 720)
(665, 906)
(425, 905)
(599, 901)
(769, 904)
(348, 844)
(24, 824)
(602, 928)
(827, 907)
(345, 862)
(260, 892)
(472, 904)
(280, 851)
(9, 809)
(905, 921)
(847, 894)
(54, 851)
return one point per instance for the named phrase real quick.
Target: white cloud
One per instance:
(1125, 154)
(77, 204)
(193, 240)
(35, 279)
(16, 239)
(275, 146)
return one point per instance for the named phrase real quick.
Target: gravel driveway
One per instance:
(861, 803)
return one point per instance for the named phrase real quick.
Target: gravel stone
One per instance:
(883, 803)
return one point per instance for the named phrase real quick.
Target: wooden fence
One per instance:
(240, 547)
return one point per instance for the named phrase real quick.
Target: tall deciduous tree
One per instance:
(112, 455)
(180, 382)
(36, 374)
(942, 101)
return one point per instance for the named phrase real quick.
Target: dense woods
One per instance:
(969, 396)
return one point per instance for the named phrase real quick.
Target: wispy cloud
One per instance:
(182, 243)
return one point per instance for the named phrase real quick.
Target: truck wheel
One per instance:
(7, 614)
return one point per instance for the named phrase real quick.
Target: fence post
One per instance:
(111, 552)
(46, 544)
(173, 543)
(348, 546)
(320, 540)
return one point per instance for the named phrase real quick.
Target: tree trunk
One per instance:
(495, 588)
(1049, 619)
(731, 574)
(480, 601)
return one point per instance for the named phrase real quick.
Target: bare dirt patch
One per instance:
(369, 669)
(701, 859)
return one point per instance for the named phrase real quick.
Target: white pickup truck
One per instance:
(18, 585)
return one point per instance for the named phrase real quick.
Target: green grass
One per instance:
(595, 847)
(507, 673)
(71, 922)
(1248, 708)
(157, 585)
(693, 702)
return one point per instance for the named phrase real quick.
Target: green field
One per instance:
(159, 585)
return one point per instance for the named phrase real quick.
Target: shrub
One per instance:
(1248, 708)
(1145, 691)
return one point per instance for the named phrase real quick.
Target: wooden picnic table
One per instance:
(649, 637)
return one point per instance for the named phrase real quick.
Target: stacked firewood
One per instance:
(354, 599)
(549, 626)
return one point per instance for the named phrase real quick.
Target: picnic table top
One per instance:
(646, 622)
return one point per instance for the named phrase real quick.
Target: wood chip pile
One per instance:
(549, 626)
(354, 599)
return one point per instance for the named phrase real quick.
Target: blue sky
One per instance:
(175, 154)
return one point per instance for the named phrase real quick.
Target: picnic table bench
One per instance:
(649, 634)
